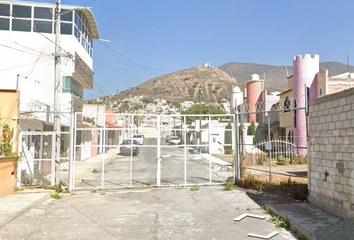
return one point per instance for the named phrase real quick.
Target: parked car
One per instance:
(173, 140)
(139, 138)
(126, 148)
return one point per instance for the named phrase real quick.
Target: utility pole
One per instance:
(57, 90)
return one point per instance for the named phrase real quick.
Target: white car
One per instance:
(173, 140)
(139, 138)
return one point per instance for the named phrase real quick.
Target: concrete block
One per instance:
(339, 125)
(329, 118)
(332, 125)
(347, 190)
(342, 101)
(347, 123)
(339, 188)
(335, 117)
(347, 156)
(343, 116)
(335, 103)
(328, 105)
(343, 196)
(343, 181)
(347, 107)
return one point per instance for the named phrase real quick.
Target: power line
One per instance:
(128, 59)
(126, 64)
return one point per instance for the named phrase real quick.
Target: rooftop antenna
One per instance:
(287, 73)
(347, 63)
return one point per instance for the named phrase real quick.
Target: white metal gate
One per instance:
(38, 162)
(100, 160)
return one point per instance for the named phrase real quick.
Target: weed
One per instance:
(95, 170)
(17, 189)
(280, 222)
(195, 188)
(302, 238)
(229, 186)
(296, 190)
(266, 210)
(93, 191)
(55, 196)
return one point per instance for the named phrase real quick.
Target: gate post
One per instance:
(158, 157)
(237, 160)
(52, 180)
(72, 156)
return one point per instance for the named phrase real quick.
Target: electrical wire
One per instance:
(136, 64)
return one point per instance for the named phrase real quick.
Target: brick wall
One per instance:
(331, 153)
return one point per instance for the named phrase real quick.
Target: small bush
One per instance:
(229, 186)
(229, 151)
(298, 159)
(282, 160)
(55, 196)
(195, 188)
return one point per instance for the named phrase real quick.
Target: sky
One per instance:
(151, 38)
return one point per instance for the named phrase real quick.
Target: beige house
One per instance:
(9, 115)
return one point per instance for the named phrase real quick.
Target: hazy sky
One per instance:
(150, 38)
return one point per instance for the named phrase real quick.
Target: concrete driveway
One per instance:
(163, 213)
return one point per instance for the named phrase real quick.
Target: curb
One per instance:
(293, 226)
(26, 209)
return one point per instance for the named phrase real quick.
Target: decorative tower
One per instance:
(305, 70)
(236, 98)
(254, 89)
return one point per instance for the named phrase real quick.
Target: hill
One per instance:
(184, 85)
(275, 76)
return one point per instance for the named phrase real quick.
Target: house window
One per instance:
(71, 86)
(42, 26)
(21, 25)
(43, 13)
(320, 92)
(22, 11)
(5, 10)
(4, 24)
(287, 104)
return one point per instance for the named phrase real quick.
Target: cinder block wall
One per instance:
(331, 153)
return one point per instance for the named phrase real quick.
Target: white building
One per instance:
(27, 47)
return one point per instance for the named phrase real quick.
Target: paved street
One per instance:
(163, 213)
(141, 170)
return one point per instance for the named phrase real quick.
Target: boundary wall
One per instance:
(331, 153)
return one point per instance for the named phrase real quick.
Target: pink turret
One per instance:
(305, 70)
(254, 89)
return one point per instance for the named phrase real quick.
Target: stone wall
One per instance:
(331, 153)
(83, 71)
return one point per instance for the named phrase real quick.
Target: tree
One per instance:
(253, 131)
(206, 110)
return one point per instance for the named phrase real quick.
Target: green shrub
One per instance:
(298, 159)
(282, 160)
